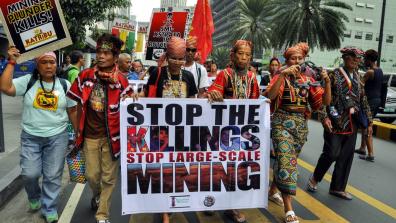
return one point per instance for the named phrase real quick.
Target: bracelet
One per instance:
(12, 62)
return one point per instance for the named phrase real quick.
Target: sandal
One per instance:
(360, 151)
(310, 186)
(367, 158)
(235, 216)
(341, 194)
(291, 217)
(276, 198)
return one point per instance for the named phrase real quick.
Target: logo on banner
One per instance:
(209, 201)
(40, 35)
(180, 201)
(157, 53)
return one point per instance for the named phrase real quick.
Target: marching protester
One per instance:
(291, 93)
(254, 67)
(98, 91)
(213, 70)
(137, 70)
(77, 62)
(171, 81)
(348, 109)
(274, 66)
(372, 87)
(66, 63)
(199, 72)
(125, 64)
(236, 82)
(44, 139)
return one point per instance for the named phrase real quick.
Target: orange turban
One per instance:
(176, 47)
(302, 48)
(192, 42)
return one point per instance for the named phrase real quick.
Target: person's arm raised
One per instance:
(6, 84)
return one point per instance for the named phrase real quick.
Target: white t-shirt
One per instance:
(43, 114)
(203, 82)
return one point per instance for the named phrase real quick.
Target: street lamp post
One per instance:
(381, 34)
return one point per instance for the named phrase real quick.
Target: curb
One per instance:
(380, 130)
(10, 185)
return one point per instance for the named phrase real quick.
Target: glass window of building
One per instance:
(370, 6)
(359, 19)
(360, 4)
(347, 33)
(389, 38)
(358, 35)
(369, 36)
(377, 37)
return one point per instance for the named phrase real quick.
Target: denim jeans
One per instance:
(43, 156)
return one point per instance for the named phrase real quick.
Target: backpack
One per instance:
(65, 73)
(34, 78)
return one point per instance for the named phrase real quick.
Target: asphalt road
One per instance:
(372, 185)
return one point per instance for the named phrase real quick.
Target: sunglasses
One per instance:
(191, 50)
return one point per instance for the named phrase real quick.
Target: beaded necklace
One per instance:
(177, 93)
(42, 86)
(239, 85)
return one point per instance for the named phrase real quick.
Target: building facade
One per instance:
(363, 30)
(173, 3)
(223, 12)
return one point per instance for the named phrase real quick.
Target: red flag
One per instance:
(115, 32)
(202, 27)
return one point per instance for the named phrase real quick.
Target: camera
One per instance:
(310, 69)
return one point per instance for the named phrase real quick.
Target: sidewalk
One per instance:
(10, 182)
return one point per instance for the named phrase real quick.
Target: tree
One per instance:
(79, 14)
(252, 22)
(320, 23)
(221, 56)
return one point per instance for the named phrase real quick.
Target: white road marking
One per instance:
(72, 203)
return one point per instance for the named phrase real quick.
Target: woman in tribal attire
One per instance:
(236, 82)
(292, 94)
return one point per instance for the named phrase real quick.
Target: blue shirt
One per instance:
(133, 76)
(3, 64)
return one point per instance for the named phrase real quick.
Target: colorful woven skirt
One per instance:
(289, 133)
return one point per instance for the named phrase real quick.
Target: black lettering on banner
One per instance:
(219, 113)
(237, 112)
(167, 178)
(253, 113)
(137, 118)
(173, 114)
(219, 174)
(205, 176)
(191, 112)
(247, 134)
(182, 176)
(154, 112)
(254, 179)
(152, 176)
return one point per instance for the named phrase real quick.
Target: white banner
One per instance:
(189, 155)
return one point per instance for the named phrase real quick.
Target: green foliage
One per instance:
(320, 23)
(252, 22)
(221, 56)
(79, 13)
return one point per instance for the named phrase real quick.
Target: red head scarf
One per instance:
(302, 48)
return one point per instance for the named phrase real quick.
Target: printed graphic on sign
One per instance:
(45, 101)
(189, 155)
(34, 26)
(40, 35)
(163, 26)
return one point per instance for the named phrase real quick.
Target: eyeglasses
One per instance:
(193, 50)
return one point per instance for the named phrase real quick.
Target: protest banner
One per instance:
(125, 30)
(189, 155)
(34, 26)
(164, 25)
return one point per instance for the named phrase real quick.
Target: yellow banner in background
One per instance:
(123, 37)
(139, 43)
